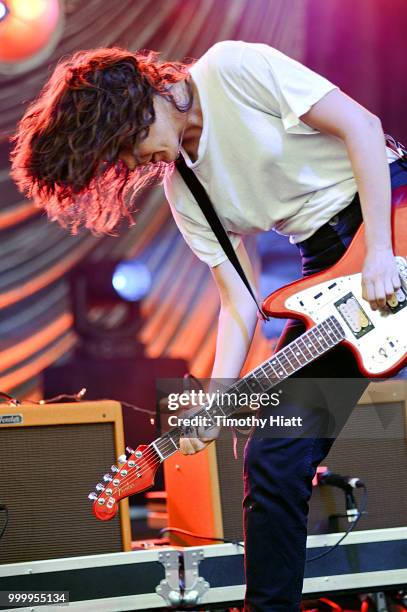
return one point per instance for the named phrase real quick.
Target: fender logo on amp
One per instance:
(11, 419)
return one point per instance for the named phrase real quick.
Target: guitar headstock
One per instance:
(135, 473)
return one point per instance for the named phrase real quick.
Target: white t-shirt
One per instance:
(262, 167)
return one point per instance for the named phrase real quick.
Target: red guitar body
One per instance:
(348, 269)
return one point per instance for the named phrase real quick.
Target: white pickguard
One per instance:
(383, 341)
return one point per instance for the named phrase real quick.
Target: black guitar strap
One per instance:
(208, 210)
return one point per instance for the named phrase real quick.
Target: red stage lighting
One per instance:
(29, 31)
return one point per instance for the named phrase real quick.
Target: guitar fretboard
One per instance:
(290, 359)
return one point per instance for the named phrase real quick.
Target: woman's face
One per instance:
(162, 143)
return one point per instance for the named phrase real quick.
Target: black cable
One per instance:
(3, 508)
(332, 548)
(201, 537)
(236, 542)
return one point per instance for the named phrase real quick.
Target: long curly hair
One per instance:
(65, 153)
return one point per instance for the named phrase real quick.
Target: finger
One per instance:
(185, 446)
(395, 279)
(190, 446)
(389, 288)
(197, 444)
(368, 293)
(203, 431)
(380, 293)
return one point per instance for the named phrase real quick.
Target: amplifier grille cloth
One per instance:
(46, 474)
(380, 463)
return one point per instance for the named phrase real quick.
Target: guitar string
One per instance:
(152, 452)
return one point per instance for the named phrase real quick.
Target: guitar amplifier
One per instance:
(205, 490)
(51, 456)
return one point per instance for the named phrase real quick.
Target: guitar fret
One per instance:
(326, 338)
(297, 345)
(299, 354)
(279, 373)
(312, 339)
(307, 353)
(207, 414)
(170, 437)
(288, 360)
(283, 371)
(274, 374)
(287, 363)
(270, 379)
(333, 323)
(217, 408)
(328, 334)
(260, 377)
(295, 357)
(310, 345)
(282, 360)
(320, 338)
(254, 384)
(155, 446)
(242, 382)
(161, 445)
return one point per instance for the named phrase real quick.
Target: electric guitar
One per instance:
(330, 304)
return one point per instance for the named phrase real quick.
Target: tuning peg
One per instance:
(107, 478)
(114, 468)
(129, 449)
(99, 487)
(92, 496)
(121, 459)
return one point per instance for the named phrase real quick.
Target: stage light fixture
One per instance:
(131, 280)
(105, 297)
(29, 32)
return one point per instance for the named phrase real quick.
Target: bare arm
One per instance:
(337, 114)
(237, 317)
(236, 325)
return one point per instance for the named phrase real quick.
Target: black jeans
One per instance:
(278, 472)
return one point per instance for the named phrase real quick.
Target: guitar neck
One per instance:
(283, 364)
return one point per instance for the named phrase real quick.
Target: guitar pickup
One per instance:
(398, 301)
(354, 316)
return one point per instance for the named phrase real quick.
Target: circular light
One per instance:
(132, 280)
(3, 11)
(31, 10)
(29, 32)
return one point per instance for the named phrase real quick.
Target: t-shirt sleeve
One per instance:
(279, 84)
(192, 224)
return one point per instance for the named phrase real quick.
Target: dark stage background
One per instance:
(358, 44)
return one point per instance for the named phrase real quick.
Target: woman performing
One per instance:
(275, 145)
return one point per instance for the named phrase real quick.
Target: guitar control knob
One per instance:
(92, 496)
(139, 454)
(107, 478)
(114, 468)
(100, 487)
(121, 459)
